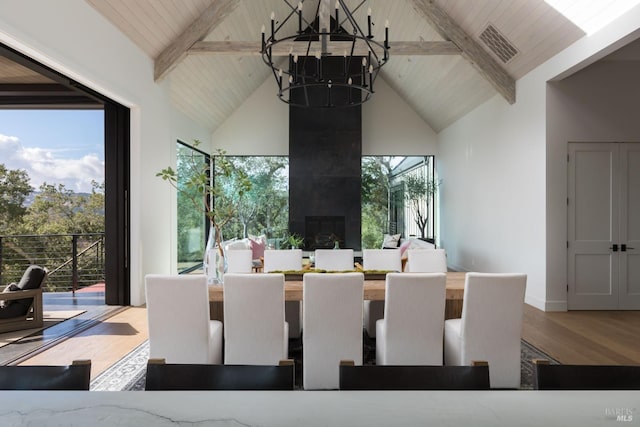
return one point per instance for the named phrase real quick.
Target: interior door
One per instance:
(593, 226)
(604, 226)
(630, 226)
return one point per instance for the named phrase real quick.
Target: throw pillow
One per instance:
(403, 248)
(257, 247)
(390, 241)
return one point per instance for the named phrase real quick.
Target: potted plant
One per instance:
(293, 241)
(201, 190)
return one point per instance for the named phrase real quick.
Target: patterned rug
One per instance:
(129, 372)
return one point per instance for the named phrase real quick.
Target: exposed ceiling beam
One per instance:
(197, 31)
(336, 48)
(471, 50)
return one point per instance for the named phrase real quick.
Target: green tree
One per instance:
(419, 192)
(14, 189)
(58, 210)
(375, 200)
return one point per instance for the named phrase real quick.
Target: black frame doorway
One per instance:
(117, 163)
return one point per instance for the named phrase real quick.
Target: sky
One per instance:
(54, 146)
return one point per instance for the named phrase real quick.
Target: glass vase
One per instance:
(214, 263)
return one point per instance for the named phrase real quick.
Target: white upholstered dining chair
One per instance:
(378, 259)
(412, 329)
(287, 260)
(426, 261)
(255, 332)
(490, 327)
(239, 260)
(332, 313)
(180, 329)
(334, 259)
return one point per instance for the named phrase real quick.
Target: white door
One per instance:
(630, 226)
(604, 226)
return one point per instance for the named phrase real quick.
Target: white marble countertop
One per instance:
(319, 408)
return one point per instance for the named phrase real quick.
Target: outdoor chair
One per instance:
(161, 376)
(72, 377)
(21, 303)
(372, 377)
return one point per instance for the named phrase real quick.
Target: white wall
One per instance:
(504, 177)
(260, 126)
(72, 38)
(598, 104)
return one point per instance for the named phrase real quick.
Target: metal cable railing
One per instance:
(73, 261)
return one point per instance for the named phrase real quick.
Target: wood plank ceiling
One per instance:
(194, 45)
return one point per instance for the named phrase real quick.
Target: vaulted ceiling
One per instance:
(441, 60)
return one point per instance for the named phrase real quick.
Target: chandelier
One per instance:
(329, 61)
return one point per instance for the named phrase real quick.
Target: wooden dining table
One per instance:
(374, 290)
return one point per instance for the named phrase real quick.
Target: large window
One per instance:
(264, 210)
(398, 197)
(192, 222)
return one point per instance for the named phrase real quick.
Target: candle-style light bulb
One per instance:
(350, 82)
(364, 62)
(273, 26)
(295, 58)
(386, 34)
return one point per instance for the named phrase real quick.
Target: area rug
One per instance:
(50, 318)
(128, 374)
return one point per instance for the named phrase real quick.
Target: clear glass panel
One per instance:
(192, 222)
(398, 197)
(265, 209)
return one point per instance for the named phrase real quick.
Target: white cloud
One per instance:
(43, 165)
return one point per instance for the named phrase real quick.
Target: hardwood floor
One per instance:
(104, 344)
(575, 337)
(585, 337)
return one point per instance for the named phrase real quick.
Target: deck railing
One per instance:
(73, 260)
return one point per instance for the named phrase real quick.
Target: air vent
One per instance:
(498, 44)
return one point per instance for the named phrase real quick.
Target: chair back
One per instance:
(372, 377)
(254, 326)
(584, 377)
(332, 318)
(381, 259)
(72, 377)
(180, 329)
(427, 261)
(491, 325)
(411, 332)
(282, 260)
(161, 376)
(239, 260)
(334, 259)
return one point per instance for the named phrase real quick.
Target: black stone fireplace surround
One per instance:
(325, 152)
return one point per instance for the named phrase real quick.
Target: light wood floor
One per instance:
(104, 344)
(575, 337)
(585, 337)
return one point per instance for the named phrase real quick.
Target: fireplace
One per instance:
(321, 232)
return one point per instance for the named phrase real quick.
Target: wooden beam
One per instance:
(337, 48)
(197, 31)
(471, 50)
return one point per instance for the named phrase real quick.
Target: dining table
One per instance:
(374, 290)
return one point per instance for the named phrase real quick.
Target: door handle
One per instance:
(624, 247)
(614, 248)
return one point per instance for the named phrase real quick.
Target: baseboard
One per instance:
(544, 305)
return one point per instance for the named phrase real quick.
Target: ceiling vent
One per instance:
(498, 44)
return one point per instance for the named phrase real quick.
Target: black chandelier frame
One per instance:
(295, 76)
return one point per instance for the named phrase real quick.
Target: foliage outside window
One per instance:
(398, 194)
(263, 210)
